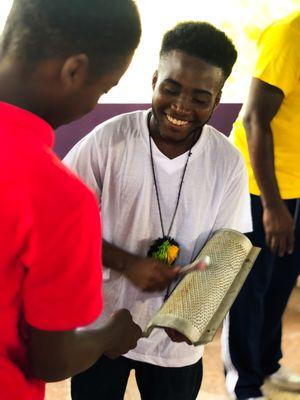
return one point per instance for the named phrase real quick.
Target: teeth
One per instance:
(175, 121)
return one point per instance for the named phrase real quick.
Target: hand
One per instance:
(176, 336)
(279, 229)
(150, 275)
(124, 333)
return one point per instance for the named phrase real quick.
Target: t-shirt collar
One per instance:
(197, 148)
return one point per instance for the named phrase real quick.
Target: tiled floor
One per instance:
(213, 383)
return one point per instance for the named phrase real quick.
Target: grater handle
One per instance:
(196, 265)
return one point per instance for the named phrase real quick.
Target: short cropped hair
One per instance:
(202, 40)
(105, 30)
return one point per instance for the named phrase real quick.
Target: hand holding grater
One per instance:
(201, 300)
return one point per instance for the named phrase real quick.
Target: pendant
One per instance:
(164, 249)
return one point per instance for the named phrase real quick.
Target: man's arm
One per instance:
(263, 104)
(62, 289)
(55, 356)
(147, 274)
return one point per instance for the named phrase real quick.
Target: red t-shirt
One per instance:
(50, 252)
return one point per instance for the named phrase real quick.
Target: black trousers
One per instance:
(251, 337)
(107, 380)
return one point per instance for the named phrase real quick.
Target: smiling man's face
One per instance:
(186, 91)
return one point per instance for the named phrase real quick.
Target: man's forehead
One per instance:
(179, 66)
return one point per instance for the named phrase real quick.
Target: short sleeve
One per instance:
(278, 58)
(235, 209)
(84, 160)
(62, 287)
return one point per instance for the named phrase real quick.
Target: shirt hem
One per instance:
(165, 362)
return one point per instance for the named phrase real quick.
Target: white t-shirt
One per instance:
(114, 161)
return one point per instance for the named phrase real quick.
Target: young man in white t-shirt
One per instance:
(162, 172)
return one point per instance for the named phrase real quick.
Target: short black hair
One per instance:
(202, 40)
(107, 31)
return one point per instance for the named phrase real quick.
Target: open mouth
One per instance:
(176, 122)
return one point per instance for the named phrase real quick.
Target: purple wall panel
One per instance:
(68, 135)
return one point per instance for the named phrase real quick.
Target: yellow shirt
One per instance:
(278, 64)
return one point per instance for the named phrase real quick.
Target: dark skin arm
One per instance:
(264, 102)
(147, 274)
(54, 356)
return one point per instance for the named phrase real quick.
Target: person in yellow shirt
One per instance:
(267, 132)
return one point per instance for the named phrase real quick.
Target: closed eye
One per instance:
(201, 101)
(170, 90)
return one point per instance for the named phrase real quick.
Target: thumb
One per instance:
(175, 270)
(201, 266)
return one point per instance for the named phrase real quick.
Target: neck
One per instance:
(16, 88)
(171, 148)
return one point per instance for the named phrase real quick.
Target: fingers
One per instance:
(175, 271)
(279, 229)
(281, 243)
(290, 243)
(126, 333)
(162, 275)
(139, 333)
(176, 336)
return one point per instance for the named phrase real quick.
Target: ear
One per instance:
(75, 71)
(154, 79)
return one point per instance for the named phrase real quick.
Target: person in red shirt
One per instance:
(57, 58)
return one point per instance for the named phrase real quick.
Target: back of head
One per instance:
(105, 30)
(202, 40)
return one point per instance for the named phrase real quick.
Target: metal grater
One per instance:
(200, 302)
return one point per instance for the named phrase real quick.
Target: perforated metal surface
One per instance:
(200, 301)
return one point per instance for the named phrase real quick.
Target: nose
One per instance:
(181, 105)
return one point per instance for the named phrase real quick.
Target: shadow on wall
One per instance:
(68, 135)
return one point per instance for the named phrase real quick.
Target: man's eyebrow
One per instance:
(196, 91)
